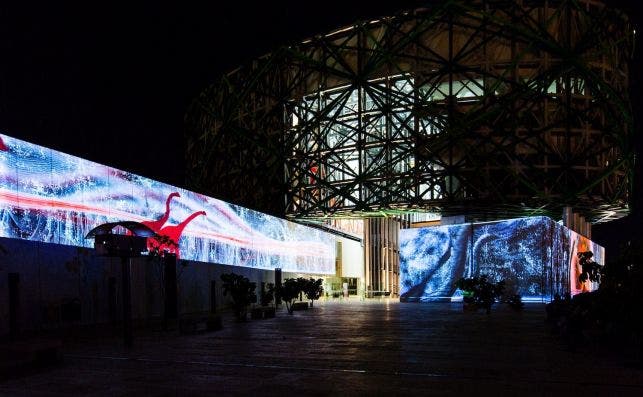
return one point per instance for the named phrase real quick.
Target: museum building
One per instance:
(389, 157)
(459, 112)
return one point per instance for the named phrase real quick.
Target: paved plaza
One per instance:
(341, 348)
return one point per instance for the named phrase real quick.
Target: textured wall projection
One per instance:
(513, 251)
(578, 243)
(535, 256)
(53, 197)
(432, 259)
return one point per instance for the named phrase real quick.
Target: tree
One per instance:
(301, 285)
(267, 294)
(242, 292)
(313, 289)
(289, 291)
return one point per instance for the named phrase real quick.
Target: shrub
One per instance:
(313, 289)
(480, 291)
(289, 291)
(268, 294)
(242, 292)
(515, 302)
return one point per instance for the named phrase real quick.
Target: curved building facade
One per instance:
(488, 109)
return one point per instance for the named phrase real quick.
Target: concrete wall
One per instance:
(54, 278)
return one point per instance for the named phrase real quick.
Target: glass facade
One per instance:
(456, 110)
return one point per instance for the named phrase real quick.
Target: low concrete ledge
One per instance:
(24, 356)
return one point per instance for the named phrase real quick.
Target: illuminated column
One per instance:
(381, 254)
(568, 217)
(395, 258)
(387, 254)
(371, 245)
(370, 255)
(576, 223)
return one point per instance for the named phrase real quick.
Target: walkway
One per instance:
(341, 348)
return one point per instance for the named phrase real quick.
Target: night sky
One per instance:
(111, 83)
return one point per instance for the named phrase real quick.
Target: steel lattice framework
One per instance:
(487, 108)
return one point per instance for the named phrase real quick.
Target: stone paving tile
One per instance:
(342, 348)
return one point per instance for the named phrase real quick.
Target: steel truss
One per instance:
(488, 108)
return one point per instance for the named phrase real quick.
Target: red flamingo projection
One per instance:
(3, 147)
(158, 224)
(170, 235)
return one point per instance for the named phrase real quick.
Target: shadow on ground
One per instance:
(348, 348)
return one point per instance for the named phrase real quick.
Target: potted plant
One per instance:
(289, 291)
(467, 285)
(510, 294)
(214, 322)
(313, 290)
(242, 292)
(256, 313)
(479, 292)
(267, 297)
(515, 302)
(301, 284)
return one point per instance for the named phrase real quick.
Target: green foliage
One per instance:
(611, 314)
(292, 288)
(480, 292)
(289, 291)
(268, 295)
(571, 317)
(242, 292)
(313, 289)
(302, 283)
(515, 302)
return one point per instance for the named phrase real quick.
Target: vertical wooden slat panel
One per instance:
(381, 247)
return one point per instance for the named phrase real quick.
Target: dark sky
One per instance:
(111, 82)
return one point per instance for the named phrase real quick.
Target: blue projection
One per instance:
(511, 251)
(535, 256)
(432, 259)
(53, 197)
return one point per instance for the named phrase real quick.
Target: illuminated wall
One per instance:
(52, 197)
(578, 243)
(432, 259)
(535, 256)
(352, 258)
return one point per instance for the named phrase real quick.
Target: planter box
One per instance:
(269, 312)
(469, 307)
(262, 312)
(192, 324)
(20, 357)
(300, 306)
(256, 313)
(214, 322)
(468, 303)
